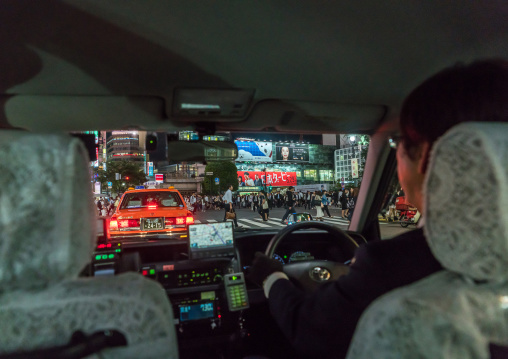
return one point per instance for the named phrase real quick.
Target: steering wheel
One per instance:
(311, 274)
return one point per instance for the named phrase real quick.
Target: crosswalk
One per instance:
(273, 223)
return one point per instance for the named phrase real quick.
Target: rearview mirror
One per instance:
(201, 151)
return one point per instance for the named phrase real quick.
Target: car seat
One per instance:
(462, 311)
(47, 236)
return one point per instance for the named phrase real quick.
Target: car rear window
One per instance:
(145, 199)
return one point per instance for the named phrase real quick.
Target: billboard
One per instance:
(291, 152)
(254, 151)
(312, 187)
(354, 168)
(257, 178)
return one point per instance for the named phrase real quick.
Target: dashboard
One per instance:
(204, 286)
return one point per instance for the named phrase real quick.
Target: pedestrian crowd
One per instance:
(106, 205)
(261, 202)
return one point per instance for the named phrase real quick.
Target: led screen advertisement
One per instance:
(257, 151)
(292, 152)
(257, 178)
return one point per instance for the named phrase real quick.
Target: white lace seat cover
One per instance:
(457, 312)
(47, 235)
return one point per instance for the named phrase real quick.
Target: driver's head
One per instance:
(461, 93)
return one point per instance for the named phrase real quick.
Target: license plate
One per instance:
(150, 224)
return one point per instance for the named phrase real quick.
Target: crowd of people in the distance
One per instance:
(320, 201)
(106, 205)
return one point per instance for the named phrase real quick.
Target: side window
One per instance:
(397, 215)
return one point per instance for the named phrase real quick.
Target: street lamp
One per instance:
(264, 170)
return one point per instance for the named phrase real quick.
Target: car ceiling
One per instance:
(314, 66)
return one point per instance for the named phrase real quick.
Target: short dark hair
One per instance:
(461, 93)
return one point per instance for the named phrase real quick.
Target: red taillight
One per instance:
(152, 206)
(128, 223)
(179, 221)
(113, 225)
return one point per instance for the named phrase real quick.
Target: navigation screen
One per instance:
(211, 235)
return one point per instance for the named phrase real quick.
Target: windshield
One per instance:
(275, 180)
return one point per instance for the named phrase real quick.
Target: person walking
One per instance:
(312, 200)
(278, 200)
(228, 205)
(255, 202)
(325, 202)
(351, 203)
(344, 199)
(319, 206)
(307, 200)
(263, 206)
(290, 204)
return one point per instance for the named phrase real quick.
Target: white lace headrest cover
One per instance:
(466, 210)
(47, 222)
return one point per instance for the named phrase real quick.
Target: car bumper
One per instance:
(173, 233)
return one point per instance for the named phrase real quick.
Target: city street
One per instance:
(250, 219)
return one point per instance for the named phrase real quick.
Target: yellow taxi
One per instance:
(151, 213)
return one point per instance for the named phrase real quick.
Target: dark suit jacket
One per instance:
(321, 325)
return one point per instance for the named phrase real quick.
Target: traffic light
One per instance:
(127, 178)
(151, 141)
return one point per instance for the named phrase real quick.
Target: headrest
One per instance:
(466, 194)
(47, 220)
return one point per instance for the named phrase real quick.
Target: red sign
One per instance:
(257, 178)
(159, 177)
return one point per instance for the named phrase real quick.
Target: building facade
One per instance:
(272, 162)
(126, 145)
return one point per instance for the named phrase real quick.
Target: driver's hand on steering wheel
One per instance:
(262, 267)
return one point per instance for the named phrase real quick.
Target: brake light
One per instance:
(180, 220)
(152, 206)
(113, 225)
(128, 223)
(189, 220)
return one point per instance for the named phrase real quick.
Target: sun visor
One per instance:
(311, 117)
(80, 113)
